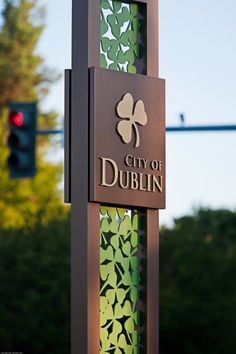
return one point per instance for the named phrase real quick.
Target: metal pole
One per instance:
(202, 128)
(49, 132)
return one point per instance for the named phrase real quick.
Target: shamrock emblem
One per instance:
(132, 114)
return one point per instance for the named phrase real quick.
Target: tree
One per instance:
(197, 287)
(35, 289)
(24, 77)
(22, 73)
(34, 236)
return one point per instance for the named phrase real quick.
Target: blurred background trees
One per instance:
(35, 289)
(197, 284)
(34, 224)
(22, 71)
(197, 287)
(25, 78)
(198, 253)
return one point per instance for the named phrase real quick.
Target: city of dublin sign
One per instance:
(115, 175)
(127, 139)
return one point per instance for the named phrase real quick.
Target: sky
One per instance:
(198, 61)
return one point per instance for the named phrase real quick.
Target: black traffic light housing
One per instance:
(22, 139)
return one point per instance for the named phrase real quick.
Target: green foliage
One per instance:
(35, 289)
(119, 30)
(28, 201)
(34, 226)
(22, 74)
(23, 77)
(198, 288)
(120, 278)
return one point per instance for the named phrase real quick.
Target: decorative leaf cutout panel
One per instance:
(122, 36)
(122, 277)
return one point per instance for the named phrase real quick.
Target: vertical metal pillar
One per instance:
(85, 223)
(84, 215)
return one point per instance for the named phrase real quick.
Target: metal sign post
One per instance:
(115, 175)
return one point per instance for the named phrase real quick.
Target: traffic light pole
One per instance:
(49, 132)
(202, 128)
(170, 129)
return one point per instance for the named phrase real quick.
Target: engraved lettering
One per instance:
(128, 160)
(134, 181)
(149, 183)
(161, 164)
(112, 176)
(114, 167)
(145, 161)
(141, 187)
(124, 179)
(157, 183)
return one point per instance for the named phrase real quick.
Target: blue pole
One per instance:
(49, 132)
(202, 128)
(170, 129)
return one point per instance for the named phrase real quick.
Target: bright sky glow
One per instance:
(198, 61)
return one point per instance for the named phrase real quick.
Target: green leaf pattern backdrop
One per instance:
(121, 251)
(119, 31)
(121, 303)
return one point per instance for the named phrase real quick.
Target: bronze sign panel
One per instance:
(127, 139)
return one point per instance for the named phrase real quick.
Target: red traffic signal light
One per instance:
(22, 121)
(16, 119)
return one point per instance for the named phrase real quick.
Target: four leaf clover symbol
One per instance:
(132, 114)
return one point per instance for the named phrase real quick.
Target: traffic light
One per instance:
(22, 139)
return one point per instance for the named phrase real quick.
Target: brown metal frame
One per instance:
(85, 278)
